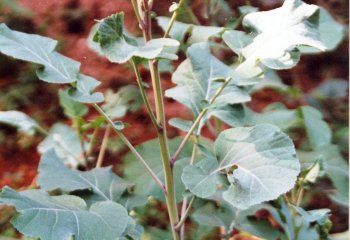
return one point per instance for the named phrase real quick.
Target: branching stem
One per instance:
(103, 148)
(185, 214)
(144, 96)
(173, 18)
(130, 146)
(197, 121)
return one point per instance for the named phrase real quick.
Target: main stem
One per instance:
(161, 131)
(163, 141)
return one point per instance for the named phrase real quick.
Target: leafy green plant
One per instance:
(220, 184)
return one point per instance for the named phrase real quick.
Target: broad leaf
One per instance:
(128, 98)
(259, 162)
(56, 67)
(181, 124)
(318, 131)
(246, 221)
(71, 108)
(197, 33)
(61, 217)
(22, 121)
(331, 32)
(150, 151)
(66, 143)
(331, 89)
(102, 182)
(282, 118)
(278, 33)
(270, 80)
(210, 215)
(83, 92)
(40, 50)
(196, 85)
(335, 168)
(294, 222)
(119, 47)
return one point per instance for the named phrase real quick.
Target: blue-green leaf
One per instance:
(331, 32)
(318, 131)
(71, 108)
(195, 79)
(150, 151)
(278, 33)
(102, 182)
(259, 162)
(61, 217)
(335, 167)
(66, 143)
(197, 33)
(22, 121)
(83, 92)
(119, 47)
(40, 50)
(128, 98)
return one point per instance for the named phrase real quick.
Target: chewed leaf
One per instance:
(22, 121)
(259, 162)
(40, 50)
(277, 33)
(196, 83)
(60, 217)
(119, 47)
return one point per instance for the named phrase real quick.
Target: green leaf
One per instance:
(61, 217)
(195, 79)
(270, 80)
(150, 151)
(283, 118)
(199, 178)
(66, 143)
(40, 50)
(210, 215)
(331, 32)
(56, 67)
(119, 47)
(259, 162)
(318, 131)
(331, 89)
(294, 222)
(71, 108)
(181, 124)
(246, 221)
(197, 33)
(335, 167)
(278, 33)
(83, 92)
(102, 182)
(128, 98)
(20, 120)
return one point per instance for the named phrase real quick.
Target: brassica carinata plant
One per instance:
(220, 183)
